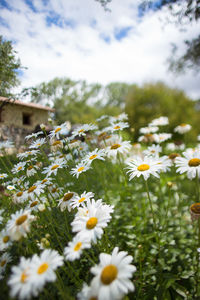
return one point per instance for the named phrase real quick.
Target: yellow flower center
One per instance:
(54, 167)
(108, 274)
(21, 220)
(183, 125)
(195, 208)
(19, 194)
(115, 146)
(24, 277)
(81, 200)
(56, 143)
(32, 188)
(44, 180)
(81, 130)
(117, 127)
(93, 156)
(78, 246)
(19, 168)
(57, 129)
(1, 176)
(6, 239)
(194, 162)
(3, 262)
(143, 167)
(30, 167)
(80, 169)
(54, 190)
(38, 144)
(34, 203)
(42, 268)
(93, 298)
(68, 196)
(91, 223)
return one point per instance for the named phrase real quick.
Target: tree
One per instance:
(154, 100)
(183, 12)
(9, 67)
(78, 101)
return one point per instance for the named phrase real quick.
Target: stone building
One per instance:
(17, 119)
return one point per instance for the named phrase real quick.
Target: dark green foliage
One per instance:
(9, 66)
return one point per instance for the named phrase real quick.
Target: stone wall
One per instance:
(12, 118)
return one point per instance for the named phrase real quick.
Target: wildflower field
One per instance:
(92, 216)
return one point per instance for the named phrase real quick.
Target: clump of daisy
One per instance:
(19, 224)
(112, 275)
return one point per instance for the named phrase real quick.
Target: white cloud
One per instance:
(78, 50)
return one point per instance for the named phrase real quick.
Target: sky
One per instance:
(80, 40)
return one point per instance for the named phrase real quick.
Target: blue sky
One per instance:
(78, 39)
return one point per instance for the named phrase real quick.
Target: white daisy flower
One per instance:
(31, 170)
(38, 143)
(161, 137)
(182, 128)
(42, 268)
(92, 225)
(66, 201)
(10, 187)
(162, 121)
(56, 145)
(80, 168)
(33, 135)
(34, 190)
(18, 167)
(95, 154)
(59, 130)
(118, 146)
(75, 248)
(4, 260)
(143, 167)
(20, 281)
(121, 117)
(19, 224)
(190, 164)
(53, 168)
(117, 126)
(153, 150)
(78, 200)
(73, 143)
(164, 163)
(5, 240)
(20, 197)
(3, 175)
(146, 138)
(112, 275)
(83, 129)
(147, 130)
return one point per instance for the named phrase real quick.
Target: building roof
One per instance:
(28, 104)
